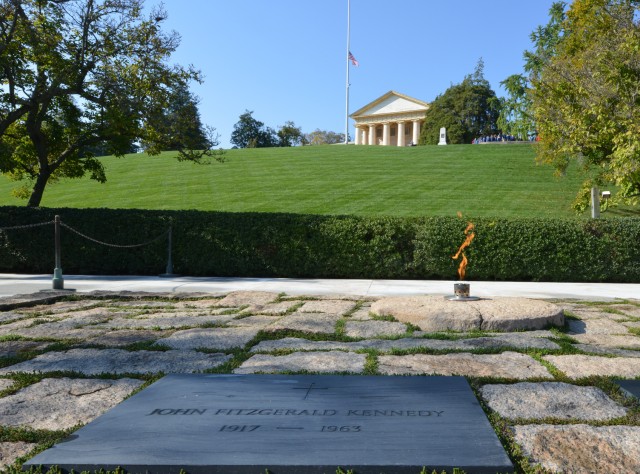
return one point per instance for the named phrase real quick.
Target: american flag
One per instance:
(353, 60)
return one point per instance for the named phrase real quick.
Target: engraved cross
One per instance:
(309, 388)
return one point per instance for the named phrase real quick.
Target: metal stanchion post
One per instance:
(58, 281)
(169, 271)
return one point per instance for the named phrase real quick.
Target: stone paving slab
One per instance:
(48, 331)
(8, 303)
(607, 350)
(59, 404)
(581, 449)
(631, 310)
(362, 314)
(315, 323)
(596, 326)
(213, 338)
(608, 340)
(373, 329)
(6, 383)
(506, 341)
(278, 309)
(247, 298)
(597, 313)
(578, 366)
(334, 307)
(14, 348)
(323, 362)
(510, 365)
(11, 451)
(10, 316)
(119, 338)
(259, 321)
(551, 400)
(118, 361)
(165, 322)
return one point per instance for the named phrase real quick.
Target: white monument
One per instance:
(393, 119)
(443, 136)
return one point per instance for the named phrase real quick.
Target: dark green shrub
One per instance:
(312, 246)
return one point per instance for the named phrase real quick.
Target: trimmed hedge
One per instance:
(314, 246)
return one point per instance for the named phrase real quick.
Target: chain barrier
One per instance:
(161, 236)
(26, 226)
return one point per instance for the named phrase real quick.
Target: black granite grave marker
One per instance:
(288, 424)
(632, 387)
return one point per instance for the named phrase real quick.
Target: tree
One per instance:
(324, 137)
(290, 135)
(78, 74)
(516, 116)
(251, 133)
(587, 94)
(467, 110)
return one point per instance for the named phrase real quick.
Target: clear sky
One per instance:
(286, 59)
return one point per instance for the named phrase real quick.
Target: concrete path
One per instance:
(11, 284)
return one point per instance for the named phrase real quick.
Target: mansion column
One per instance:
(372, 135)
(386, 134)
(401, 134)
(358, 134)
(416, 131)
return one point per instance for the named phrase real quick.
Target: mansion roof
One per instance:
(391, 104)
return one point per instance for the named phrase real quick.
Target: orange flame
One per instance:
(467, 241)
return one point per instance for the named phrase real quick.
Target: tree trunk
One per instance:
(38, 189)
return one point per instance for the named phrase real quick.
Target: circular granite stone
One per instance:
(435, 313)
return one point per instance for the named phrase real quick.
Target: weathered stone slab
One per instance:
(551, 400)
(608, 340)
(259, 321)
(628, 309)
(165, 321)
(432, 313)
(315, 323)
(247, 298)
(218, 424)
(214, 338)
(597, 313)
(10, 316)
(119, 338)
(278, 309)
(596, 327)
(118, 361)
(362, 314)
(5, 384)
(607, 350)
(335, 307)
(54, 331)
(581, 449)
(8, 303)
(11, 451)
(578, 366)
(13, 348)
(511, 365)
(324, 362)
(502, 341)
(60, 404)
(371, 329)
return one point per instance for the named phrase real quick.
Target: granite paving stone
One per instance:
(596, 326)
(259, 321)
(578, 366)
(339, 307)
(511, 365)
(372, 329)
(506, 341)
(247, 298)
(14, 348)
(315, 323)
(209, 338)
(206, 303)
(597, 313)
(581, 449)
(5, 384)
(324, 362)
(11, 451)
(628, 309)
(164, 322)
(608, 340)
(551, 400)
(58, 404)
(12, 328)
(362, 314)
(278, 309)
(592, 349)
(52, 331)
(118, 361)
(9, 316)
(119, 338)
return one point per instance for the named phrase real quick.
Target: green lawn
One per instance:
(479, 180)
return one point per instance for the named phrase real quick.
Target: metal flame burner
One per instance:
(461, 293)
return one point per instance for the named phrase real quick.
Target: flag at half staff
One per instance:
(353, 60)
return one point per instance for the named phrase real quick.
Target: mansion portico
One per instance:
(393, 119)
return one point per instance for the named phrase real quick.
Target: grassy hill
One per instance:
(479, 180)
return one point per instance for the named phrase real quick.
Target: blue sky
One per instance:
(286, 59)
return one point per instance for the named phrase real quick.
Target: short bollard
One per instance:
(58, 281)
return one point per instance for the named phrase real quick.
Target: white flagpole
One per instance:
(346, 127)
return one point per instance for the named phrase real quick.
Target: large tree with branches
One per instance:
(80, 75)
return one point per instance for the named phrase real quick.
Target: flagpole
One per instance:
(346, 127)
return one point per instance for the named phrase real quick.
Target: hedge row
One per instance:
(312, 246)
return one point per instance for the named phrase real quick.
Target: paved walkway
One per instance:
(550, 392)
(11, 284)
